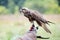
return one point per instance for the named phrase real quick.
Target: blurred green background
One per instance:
(12, 23)
(44, 6)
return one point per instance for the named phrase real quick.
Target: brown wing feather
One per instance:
(38, 19)
(38, 16)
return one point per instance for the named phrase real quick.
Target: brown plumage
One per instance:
(33, 15)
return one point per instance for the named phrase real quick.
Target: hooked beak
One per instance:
(20, 10)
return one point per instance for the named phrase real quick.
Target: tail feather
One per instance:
(45, 28)
(50, 22)
(39, 23)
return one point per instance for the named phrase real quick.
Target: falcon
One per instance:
(34, 15)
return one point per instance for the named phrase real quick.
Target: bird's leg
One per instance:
(33, 23)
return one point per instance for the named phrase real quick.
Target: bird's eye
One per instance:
(23, 9)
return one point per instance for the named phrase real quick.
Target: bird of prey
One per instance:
(34, 15)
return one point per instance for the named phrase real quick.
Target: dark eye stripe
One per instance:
(23, 9)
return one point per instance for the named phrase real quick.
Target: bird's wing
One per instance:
(37, 15)
(38, 19)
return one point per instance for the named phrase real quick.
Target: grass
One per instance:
(11, 25)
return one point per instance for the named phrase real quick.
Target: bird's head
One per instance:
(24, 10)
